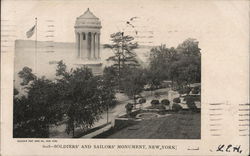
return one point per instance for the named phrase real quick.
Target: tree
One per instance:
(176, 107)
(176, 100)
(191, 103)
(85, 96)
(129, 108)
(40, 108)
(110, 76)
(165, 102)
(15, 92)
(107, 83)
(186, 70)
(189, 62)
(26, 75)
(133, 83)
(76, 93)
(152, 78)
(122, 46)
(189, 47)
(181, 65)
(155, 102)
(160, 60)
(142, 100)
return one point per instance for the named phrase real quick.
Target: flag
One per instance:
(30, 32)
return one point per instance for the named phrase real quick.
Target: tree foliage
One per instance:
(124, 56)
(191, 103)
(110, 76)
(84, 95)
(176, 100)
(77, 94)
(26, 75)
(176, 107)
(133, 83)
(181, 65)
(122, 46)
(155, 102)
(165, 102)
(35, 112)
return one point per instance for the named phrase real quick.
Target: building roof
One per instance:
(88, 14)
(88, 20)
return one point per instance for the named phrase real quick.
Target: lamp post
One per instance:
(108, 113)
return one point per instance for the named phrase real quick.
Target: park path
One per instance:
(119, 109)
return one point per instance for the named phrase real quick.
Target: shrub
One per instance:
(160, 107)
(142, 100)
(165, 102)
(176, 107)
(195, 90)
(176, 100)
(185, 90)
(155, 102)
(190, 103)
(129, 108)
(157, 95)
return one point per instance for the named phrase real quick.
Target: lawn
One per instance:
(176, 126)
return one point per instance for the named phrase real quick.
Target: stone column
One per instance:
(87, 45)
(84, 46)
(92, 45)
(81, 46)
(77, 45)
(98, 49)
(96, 46)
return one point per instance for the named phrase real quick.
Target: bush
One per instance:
(176, 100)
(142, 100)
(190, 103)
(129, 108)
(157, 95)
(160, 107)
(165, 102)
(155, 102)
(196, 90)
(176, 107)
(185, 90)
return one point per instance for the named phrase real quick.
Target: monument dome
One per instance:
(88, 20)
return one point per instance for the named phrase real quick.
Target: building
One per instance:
(87, 45)
(87, 32)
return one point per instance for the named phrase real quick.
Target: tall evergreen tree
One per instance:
(124, 55)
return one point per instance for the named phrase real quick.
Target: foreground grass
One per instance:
(175, 126)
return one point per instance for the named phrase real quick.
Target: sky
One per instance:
(161, 22)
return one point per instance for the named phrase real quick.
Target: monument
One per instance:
(87, 45)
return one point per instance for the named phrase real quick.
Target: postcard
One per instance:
(116, 77)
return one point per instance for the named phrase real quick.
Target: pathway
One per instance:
(59, 131)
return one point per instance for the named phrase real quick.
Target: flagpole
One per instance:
(36, 50)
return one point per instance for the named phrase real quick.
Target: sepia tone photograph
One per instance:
(91, 75)
(116, 77)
